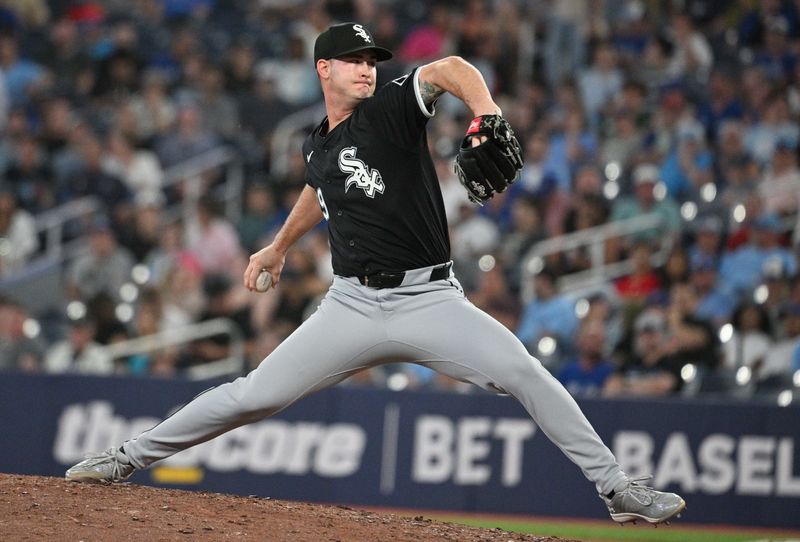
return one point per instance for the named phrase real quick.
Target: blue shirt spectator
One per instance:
(644, 180)
(587, 373)
(561, 159)
(585, 379)
(685, 167)
(549, 314)
(21, 75)
(742, 269)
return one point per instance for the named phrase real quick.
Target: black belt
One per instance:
(393, 280)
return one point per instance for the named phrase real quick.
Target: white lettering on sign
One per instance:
(458, 451)
(271, 446)
(747, 465)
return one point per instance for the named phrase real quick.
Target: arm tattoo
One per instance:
(429, 92)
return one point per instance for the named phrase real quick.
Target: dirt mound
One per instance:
(43, 508)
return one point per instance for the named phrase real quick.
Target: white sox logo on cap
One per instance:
(346, 38)
(360, 32)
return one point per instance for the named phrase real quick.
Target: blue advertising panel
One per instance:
(734, 463)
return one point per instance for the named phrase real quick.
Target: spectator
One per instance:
(18, 236)
(688, 166)
(567, 25)
(739, 178)
(776, 57)
(779, 188)
(653, 70)
(295, 296)
(293, 74)
(181, 288)
(93, 180)
(20, 350)
(58, 121)
(220, 110)
(430, 40)
(102, 310)
(213, 240)
(538, 178)
(750, 342)
(78, 353)
(644, 201)
(224, 301)
(154, 111)
(741, 269)
(777, 283)
(473, 236)
(103, 269)
(30, 175)
(187, 139)
(691, 339)
(675, 269)
(692, 57)
(143, 234)
(601, 82)
(737, 135)
(722, 106)
(66, 59)
(262, 108)
(149, 319)
(729, 144)
(239, 68)
(707, 239)
(117, 76)
(624, 141)
(572, 143)
(259, 217)
(494, 296)
(526, 231)
(138, 169)
(587, 207)
(548, 314)
(587, 373)
(24, 79)
(778, 359)
(643, 280)
(714, 304)
(646, 372)
(774, 124)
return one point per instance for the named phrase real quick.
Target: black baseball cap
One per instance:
(345, 38)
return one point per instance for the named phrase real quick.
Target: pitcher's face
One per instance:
(354, 75)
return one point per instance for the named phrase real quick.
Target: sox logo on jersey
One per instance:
(367, 179)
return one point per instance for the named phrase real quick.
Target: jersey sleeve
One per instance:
(307, 148)
(397, 110)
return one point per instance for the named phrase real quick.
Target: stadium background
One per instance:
(647, 253)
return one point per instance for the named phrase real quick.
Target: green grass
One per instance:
(631, 533)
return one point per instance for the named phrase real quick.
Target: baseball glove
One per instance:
(490, 167)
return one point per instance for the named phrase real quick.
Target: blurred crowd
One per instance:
(684, 109)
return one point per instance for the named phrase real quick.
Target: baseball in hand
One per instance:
(264, 281)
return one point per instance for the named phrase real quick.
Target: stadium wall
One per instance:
(734, 463)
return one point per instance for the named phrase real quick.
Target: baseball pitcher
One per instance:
(394, 296)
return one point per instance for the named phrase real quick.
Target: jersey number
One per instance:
(322, 204)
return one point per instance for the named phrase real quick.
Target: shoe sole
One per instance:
(87, 477)
(629, 516)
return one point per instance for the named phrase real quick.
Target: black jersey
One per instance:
(377, 186)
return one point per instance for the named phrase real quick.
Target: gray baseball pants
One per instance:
(356, 327)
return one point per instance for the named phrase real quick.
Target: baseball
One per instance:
(264, 281)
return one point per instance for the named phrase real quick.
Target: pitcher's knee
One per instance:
(522, 370)
(255, 403)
